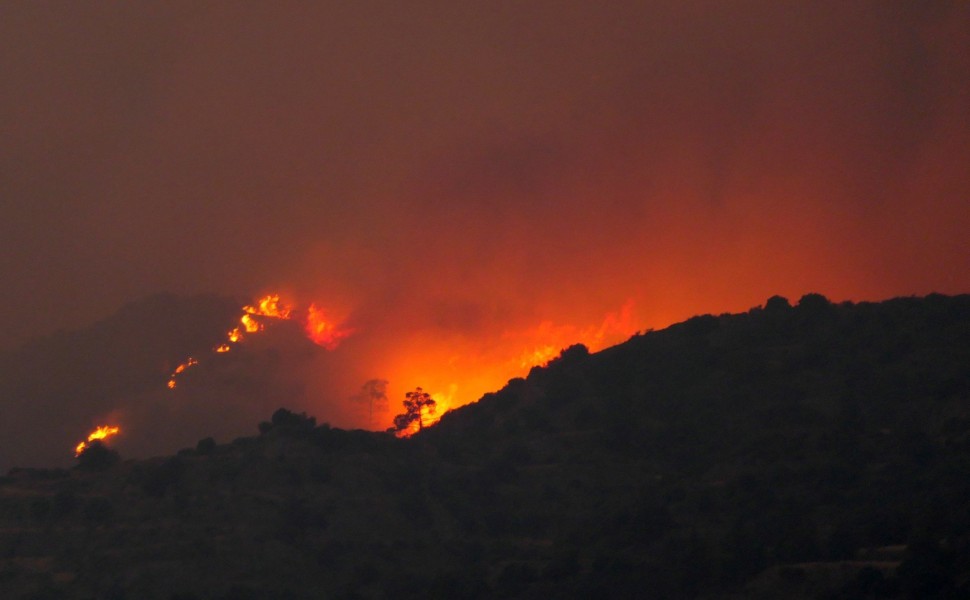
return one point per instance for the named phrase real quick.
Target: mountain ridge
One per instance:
(770, 453)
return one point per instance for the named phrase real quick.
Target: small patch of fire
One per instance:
(191, 362)
(103, 432)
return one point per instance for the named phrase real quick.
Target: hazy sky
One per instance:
(478, 168)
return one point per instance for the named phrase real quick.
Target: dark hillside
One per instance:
(815, 451)
(52, 388)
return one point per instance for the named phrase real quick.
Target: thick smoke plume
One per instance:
(446, 178)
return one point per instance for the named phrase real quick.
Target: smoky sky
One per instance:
(466, 166)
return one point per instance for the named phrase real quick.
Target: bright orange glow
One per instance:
(322, 331)
(443, 403)
(459, 371)
(269, 306)
(547, 339)
(455, 369)
(250, 324)
(191, 362)
(101, 433)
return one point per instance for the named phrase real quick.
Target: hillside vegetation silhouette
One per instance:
(812, 451)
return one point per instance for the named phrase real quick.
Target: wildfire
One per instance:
(550, 338)
(462, 369)
(101, 433)
(538, 356)
(459, 370)
(432, 414)
(322, 331)
(269, 306)
(191, 362)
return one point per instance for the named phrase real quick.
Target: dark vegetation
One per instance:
(815, 451)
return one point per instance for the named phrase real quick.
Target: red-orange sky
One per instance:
(450, 176)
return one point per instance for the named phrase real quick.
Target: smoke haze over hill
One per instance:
(465, 183)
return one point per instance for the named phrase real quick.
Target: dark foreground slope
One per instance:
(819, 451)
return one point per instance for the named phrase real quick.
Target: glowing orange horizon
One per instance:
(455, 371)
(458, 372)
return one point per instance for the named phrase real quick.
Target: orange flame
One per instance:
(250, 324)
(319, 329)
(550, 339)
(101, 433)
(462, 369)
(322, 331)
(269, 306)
(191, 362)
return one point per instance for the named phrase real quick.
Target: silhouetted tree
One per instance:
(373, 395)
(814, 303)
(416, 403)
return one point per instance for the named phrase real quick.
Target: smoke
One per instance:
(443, 178)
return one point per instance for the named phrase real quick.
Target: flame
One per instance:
(191, 362)
(461, 369)
(549, 338)
(101, 433)
(322, 331)
(250, 324)
(269, 306)
(538, 356)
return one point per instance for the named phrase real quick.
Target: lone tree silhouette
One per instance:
(416, 403)
(373, 396)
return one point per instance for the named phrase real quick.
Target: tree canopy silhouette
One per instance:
(416, 404)
(372, 396)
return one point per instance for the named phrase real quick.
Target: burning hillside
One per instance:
(100, 433)
(251, 321)
(168, 371)
(470, 369)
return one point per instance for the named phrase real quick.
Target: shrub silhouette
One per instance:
(289, 422)
(97, 457)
